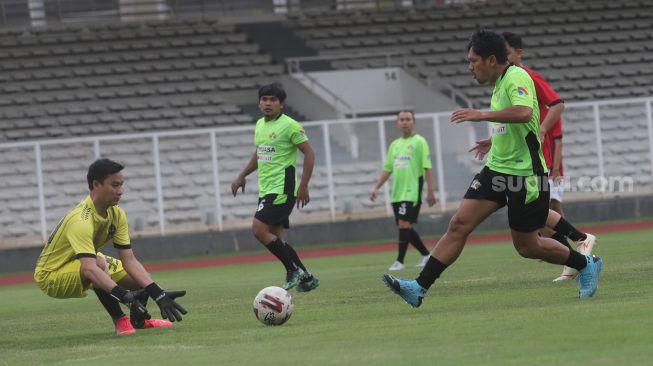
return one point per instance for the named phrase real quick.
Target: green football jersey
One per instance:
(276, 148)
(407, 158)
(516, 146)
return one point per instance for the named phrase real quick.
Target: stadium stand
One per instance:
(582, 51)
(103, 79)
(189, 76)
(594, 50)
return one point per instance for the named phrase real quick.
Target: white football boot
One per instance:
(396, 266)
(583, 247)
(568, 273)
(423, 260)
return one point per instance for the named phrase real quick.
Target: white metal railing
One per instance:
(318, 88)
(373, 131)
(294, 64)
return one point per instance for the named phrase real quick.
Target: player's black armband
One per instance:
(122, 246)
(556, 102)
(154, 291)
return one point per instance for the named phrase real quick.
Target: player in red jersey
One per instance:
(551, 107)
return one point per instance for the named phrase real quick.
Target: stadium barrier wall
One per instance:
(206, 244)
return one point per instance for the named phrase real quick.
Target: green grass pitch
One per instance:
(490, 308)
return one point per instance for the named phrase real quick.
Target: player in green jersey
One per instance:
(71, 262)
(277, 138)
(514, 176)
(409, 162)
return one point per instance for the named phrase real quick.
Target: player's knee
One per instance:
(526, 251)
(259, 231)
(459, 226)
(405, 224)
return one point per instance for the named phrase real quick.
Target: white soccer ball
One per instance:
(273, 306)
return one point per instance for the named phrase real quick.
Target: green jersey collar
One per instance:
(505, 71)
(272, 120)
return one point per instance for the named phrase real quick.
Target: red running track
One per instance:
(332, 252)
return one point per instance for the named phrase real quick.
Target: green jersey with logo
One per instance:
(516, 146)
(276, 148)
(407, 158)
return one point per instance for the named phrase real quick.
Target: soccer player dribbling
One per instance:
(515, 160)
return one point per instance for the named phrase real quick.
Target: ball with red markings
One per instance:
(273, 306)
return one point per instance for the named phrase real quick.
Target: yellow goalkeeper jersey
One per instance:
(81, 233)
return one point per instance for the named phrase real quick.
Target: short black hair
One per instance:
(486, 43)
(101, 169)
(274, 89)
(513, 40)
(406, 111)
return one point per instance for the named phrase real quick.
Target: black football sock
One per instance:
(417, 242)
(432, 270)
(562, 239)
(576, 260)
(404, 238)
(110, 304)
(565, 228)
(295, 258)
(277, 248)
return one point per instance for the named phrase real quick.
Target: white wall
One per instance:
(374, 91)
(309, 104)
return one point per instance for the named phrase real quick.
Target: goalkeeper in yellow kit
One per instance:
(71, 263)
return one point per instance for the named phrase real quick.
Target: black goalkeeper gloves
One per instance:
(170, 309)
(131, 299)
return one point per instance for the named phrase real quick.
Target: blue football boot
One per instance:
(588, 277)
(293, 278)
(409, 290)
(307, 284)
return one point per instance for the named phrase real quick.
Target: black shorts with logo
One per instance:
(406, 211)
(274, 215)
(527, 208)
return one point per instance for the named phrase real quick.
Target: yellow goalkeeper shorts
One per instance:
(66, 282)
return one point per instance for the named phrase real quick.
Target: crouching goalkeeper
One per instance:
(71, 263)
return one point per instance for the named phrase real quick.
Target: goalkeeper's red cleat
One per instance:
(157, 323)
(124, 326)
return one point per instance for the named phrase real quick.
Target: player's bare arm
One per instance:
(95, 275)
(430, 195)
(557, 160)
(512, 114)
(134, 267)
(467, 115)
(240, 181)
(551, 118)
(380, 182)
(307, 171)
